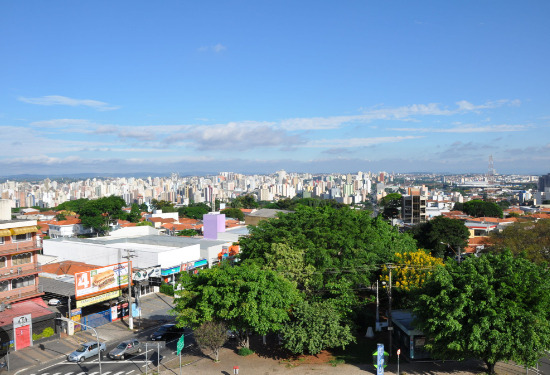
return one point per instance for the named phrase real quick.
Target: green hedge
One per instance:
(167, 289)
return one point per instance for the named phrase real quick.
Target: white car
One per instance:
(54, 302)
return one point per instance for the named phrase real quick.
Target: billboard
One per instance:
(101, 280)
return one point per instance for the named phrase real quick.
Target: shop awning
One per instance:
(5, 232)
(23, 230)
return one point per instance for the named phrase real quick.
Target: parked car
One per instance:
(54, 302)
(166, 332)
(125, 349)
(86, 351)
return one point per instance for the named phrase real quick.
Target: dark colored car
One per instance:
(167, 332)
(125, 349)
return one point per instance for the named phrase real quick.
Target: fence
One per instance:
(97, 319)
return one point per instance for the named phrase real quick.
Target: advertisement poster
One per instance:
(100, 280)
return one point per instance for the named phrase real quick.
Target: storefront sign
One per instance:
(100, 298)
(22, 321)
(102, 279)
(146, 273)
(75, 312)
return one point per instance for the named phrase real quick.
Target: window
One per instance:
(22, 282)
(3, 262)
(1, 240)
(4, 285)
(21, 237)
(21, 259)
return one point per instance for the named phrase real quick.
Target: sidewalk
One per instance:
(198, 364)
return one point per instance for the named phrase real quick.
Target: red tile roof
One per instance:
(34, 306)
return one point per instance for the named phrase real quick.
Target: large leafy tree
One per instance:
(211, 335)
(194, 210)
(340, 244)
(479, 208)
(529, 238)
(246, 298)
(411, 269)
(442, 236)
(391, 205)
(235, 213)
(244, 201)
(98, 213)
(314, 327)
(496, 308)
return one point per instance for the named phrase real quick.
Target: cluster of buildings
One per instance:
(44, 259)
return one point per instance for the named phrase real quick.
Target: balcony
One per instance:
(19, 294)
(20, 270)
(18, 247)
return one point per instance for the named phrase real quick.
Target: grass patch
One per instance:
(245, 351)
(336, 362)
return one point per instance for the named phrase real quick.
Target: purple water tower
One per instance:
(212, 225)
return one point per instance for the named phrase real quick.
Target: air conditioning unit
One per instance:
(8, 306)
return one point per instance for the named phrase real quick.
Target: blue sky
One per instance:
(256, 86)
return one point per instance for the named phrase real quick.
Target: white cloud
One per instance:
(63, 100)
(238, 135)
(358, 142)
(404, 113)
(217, 48)
(468, 128)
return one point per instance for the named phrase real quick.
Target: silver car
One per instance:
(125, 349)
(86, 351)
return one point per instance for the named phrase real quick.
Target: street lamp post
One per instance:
(67, 320)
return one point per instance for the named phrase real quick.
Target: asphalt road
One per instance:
(145, 362)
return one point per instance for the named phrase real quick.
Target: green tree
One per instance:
(494, 308)
(235, 213)
(194, 211)
(315, 326)
(73, 206)
(479, 208)
(244, 201)
(341, 248)
(246, 298)
(530, 239)
(391, 204)
(135, 214)
(290, 262)
(102, 212)
(442, 236)
(187, 232)
(163, 205)
(60, 217)
(211, 335)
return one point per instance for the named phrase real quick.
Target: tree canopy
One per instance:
(530, 239)
(495, 308)
(194, 210)
(244, 201)
(246, 298)
(98, 213)
(442, 236)
(479, 208)
(235, 213)
(391, 204)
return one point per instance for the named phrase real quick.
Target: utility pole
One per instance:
(390, 324)
(130, 255)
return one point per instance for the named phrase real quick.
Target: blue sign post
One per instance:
(380, 360)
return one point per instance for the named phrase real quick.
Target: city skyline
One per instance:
(252, 87)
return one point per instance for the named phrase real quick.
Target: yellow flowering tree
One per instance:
(411, 269)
